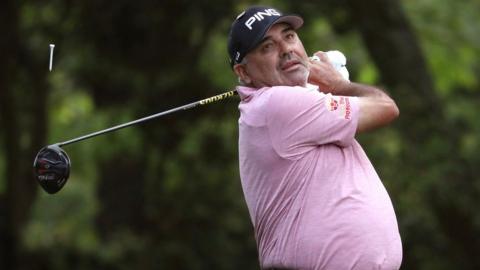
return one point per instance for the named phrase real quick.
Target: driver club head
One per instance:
(51, 168)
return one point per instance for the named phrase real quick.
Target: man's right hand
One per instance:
(324, 75)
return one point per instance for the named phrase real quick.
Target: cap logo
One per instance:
(259, 16)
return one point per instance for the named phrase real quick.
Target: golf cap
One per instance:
(249, 28)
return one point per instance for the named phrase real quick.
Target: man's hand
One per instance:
(324, 74)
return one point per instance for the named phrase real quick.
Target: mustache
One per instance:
(290, 57)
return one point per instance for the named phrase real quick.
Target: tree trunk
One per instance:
(20, 118)
(395, 50)
(8, 45)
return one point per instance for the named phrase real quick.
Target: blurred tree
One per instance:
(166, 194)
(23, 123)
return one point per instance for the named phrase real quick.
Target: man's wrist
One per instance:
(342, 88)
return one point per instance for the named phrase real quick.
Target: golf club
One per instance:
(52, 165)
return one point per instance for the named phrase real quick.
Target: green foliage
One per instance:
(449, 35)
(166, 195)
(64, 219)
(214, 62)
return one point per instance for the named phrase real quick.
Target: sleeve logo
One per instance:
(339, 105)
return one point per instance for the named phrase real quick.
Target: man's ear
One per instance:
(242, 73)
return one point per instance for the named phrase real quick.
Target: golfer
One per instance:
(314, 197)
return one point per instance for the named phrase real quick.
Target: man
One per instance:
(314, 198)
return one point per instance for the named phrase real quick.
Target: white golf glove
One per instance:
(339, 62)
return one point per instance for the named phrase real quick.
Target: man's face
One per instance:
(280, 59)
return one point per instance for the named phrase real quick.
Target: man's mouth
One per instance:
(289, 65)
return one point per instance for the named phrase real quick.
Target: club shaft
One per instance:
(153, 116)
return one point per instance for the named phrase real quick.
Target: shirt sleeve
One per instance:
(299, 119)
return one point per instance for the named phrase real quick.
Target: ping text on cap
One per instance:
(258, 16)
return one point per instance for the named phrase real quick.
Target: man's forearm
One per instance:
(376, 107)
(356, 89)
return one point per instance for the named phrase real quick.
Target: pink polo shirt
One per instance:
(314, 198)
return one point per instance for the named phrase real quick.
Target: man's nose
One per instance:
(285, 49)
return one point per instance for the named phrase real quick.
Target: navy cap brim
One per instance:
(294, 20)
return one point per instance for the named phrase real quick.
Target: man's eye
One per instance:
(267, 46)
(290, 36)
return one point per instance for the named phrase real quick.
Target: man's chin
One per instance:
(299, 78)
